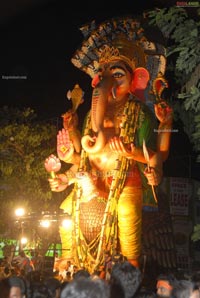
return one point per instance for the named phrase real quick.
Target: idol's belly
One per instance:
(104, 161)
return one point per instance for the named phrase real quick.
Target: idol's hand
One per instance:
(153, 176)
(59, 183)
(52, 165)
(118, 146)
(129, 151)
(163, 112)
(70, 120)
(65, 148)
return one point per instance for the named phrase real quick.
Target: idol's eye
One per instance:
(118, 73)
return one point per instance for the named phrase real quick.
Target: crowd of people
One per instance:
(124, 281)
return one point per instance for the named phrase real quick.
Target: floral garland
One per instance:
(107, 238)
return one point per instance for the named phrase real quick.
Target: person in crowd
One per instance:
(70, 267)
(195, 292)
(106, 268)
(81, 273)
(37, 260)
(63, 285)
(196, 279)
(17, 287)
(6, 262)
(4, 288)
(185, 289)
(53, 285)
(145, 293)
(125, 280)
(165, 284)
(68, 276)
(56, 262)
(23, 261)
(39, 290)
(86, 288)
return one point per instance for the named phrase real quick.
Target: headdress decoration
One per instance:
(109, 54)
(122, 38)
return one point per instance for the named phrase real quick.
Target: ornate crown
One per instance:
(119, 38)
(109, 54)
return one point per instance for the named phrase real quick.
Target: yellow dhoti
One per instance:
(130, 222)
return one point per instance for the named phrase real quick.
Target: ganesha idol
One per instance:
(116, 163)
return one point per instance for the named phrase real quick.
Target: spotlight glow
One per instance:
(24, 240)
(19, 212)
(66, 223)
(45, 223)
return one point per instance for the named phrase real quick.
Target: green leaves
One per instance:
(196, 233)
(25, 143)
(183, 48)
(167, 20)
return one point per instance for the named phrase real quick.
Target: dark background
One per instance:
(38, 39)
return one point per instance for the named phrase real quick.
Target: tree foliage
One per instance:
(24, 144)
(183, 47)
(182, 36)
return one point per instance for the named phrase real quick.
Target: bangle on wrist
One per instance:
(165, 126)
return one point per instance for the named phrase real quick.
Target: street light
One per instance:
(45, 223)
(23, 241)
(19, 212)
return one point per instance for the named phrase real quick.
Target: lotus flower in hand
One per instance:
(52, 165)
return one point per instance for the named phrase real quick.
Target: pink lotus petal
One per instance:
(53, 164)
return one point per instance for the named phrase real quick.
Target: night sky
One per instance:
(37, 43)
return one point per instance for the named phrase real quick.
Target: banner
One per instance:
(180, 196)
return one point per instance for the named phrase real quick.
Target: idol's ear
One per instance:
(139, 83)
(159, 84)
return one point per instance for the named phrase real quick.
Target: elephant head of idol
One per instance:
(117, 39)
(116, 78)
